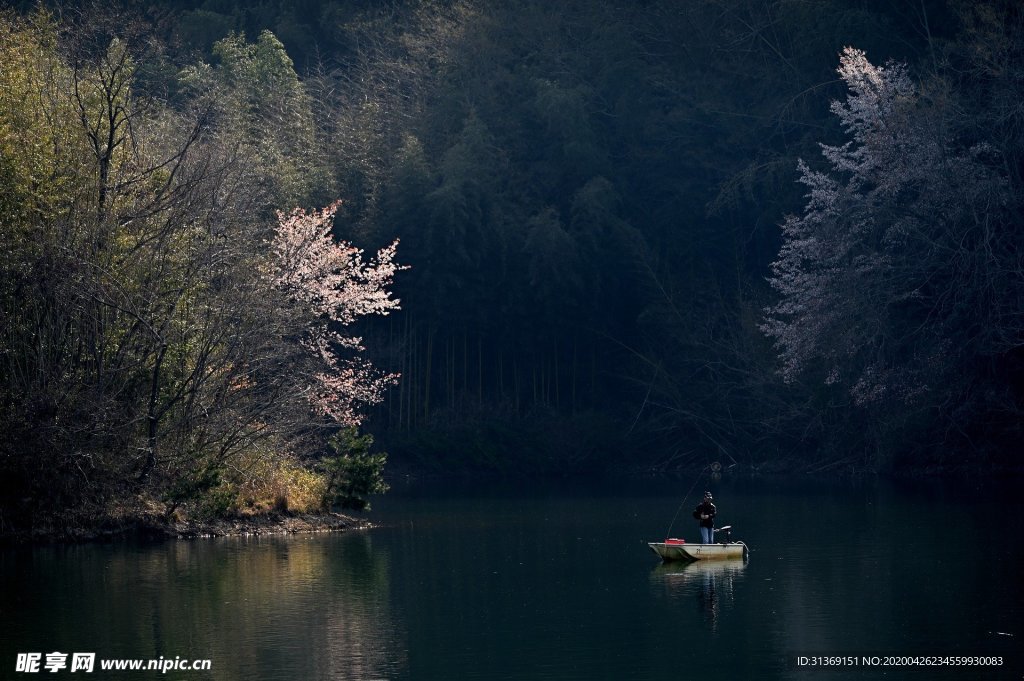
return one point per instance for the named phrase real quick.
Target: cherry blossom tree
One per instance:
(330, 286)
(898, 281)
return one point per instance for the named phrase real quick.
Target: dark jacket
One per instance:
(708, 509)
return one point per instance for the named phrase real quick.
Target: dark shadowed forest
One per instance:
(249, 247)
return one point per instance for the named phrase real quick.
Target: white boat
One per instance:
(679, 550)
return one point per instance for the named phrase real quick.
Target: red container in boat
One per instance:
(675, 541)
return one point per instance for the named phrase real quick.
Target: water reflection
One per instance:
(711, 583)
(270, 608)
(561, 588)
(364, 639)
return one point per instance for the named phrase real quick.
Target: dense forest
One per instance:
(778, 234)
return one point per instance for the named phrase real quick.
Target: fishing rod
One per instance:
(715, 467)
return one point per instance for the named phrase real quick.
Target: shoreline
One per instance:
(147, 525)
(269, 524)
(153, 528)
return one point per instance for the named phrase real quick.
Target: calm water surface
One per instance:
(552, 583)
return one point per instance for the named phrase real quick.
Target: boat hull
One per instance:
(692, 552)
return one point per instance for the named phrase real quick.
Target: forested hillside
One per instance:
(774, 233)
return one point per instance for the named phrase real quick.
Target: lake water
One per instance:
(553, 582)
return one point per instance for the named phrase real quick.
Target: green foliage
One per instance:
(146, 352)
(205, 492)
(261, 104)
(353, 472)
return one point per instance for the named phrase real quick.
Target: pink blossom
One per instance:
(331, 285)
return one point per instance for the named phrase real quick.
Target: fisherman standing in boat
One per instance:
(705, 515)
